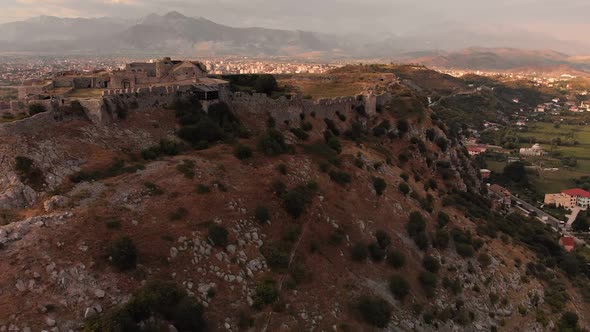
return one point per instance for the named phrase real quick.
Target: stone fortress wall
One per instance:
(102, 111)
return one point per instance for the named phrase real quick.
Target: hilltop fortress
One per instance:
(105, 95)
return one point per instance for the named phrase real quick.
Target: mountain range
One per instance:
(449, 45)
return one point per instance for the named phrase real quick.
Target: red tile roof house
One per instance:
(581, 195)
(568, 243)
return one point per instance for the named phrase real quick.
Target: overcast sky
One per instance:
(567, 19)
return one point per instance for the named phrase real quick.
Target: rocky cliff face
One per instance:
(295, 241)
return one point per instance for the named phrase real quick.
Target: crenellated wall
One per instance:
(102, 111)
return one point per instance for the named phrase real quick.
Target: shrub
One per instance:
(399, 287)
(484, 260)
(36, 109)
(188, 315)
(261, 214)
(332, 127)
(296, 200)
(272, 143)
(266, 293)
(377, 252)
(178, 214)
(242, 152)
(405, 177)
(203, 189)
(276, 255)
(375, 311)
(404, 188)
(282, 168)
(152, 189)
(218, 235)
(379, 184)
(359, 252)
(335, 145)
(442, 143)
(569, 323)
(339, 177)
(307, 126)
(113, 224)
(416, 228)
(443, 219)
(464, 250)
(28, 173)
(441, 239)
(396, 259)
(203, 131)
(403, 126)
(187, 169)
(428, 280)
(430, 134)
(123, 253)
(383, 239)
(300, 133)
(431, 264)
(279, 188)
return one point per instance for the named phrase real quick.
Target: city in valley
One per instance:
(386, 166)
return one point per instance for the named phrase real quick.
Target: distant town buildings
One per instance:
(534, 151)
(569, 199)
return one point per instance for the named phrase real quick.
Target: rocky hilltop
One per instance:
(173, 219)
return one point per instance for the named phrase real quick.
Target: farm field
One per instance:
(545, 132)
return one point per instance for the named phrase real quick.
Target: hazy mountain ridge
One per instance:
(174, 33)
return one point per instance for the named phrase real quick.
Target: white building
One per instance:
(534, 151)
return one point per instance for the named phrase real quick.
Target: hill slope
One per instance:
(329, 236)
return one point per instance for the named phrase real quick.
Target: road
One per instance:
(551, 220)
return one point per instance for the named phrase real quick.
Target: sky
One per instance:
(565, 19)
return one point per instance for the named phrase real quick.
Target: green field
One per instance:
(544, 133)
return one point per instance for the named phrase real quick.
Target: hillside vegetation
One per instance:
(216, 221)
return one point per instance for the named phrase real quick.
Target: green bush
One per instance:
(300, 133)
(399, 287)
(404, 188)
(152, 189)
(113, 224)
(335, 145)
(383, 239)
(416, 228)
(36, 109)
(379, 184)
(203, 189)
(403, 127)
(359, 252)
(242, 152)
(339, 177)
(431, 264)
(159, 299)
(441, 239)
(123, 253)
(218, 235)
(443, 219)
(28, 173)
(569, 322)
(272, 143)
(282, 168)
(429, 281)
(187, 169)
(295, 201)
(396, 259)
(464, 250)
(266, 293)
(377, 252)
(261, 214)
(484, 260)
(442, 143)
(374, 310)
(179, 214)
